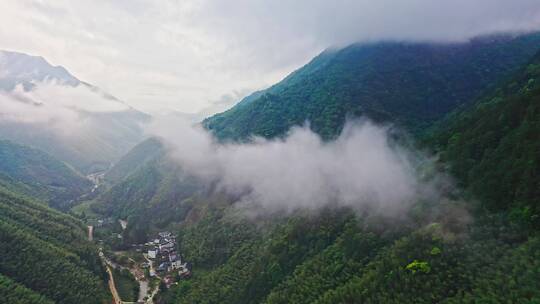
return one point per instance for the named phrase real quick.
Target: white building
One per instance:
(152, 254)
(166, 246)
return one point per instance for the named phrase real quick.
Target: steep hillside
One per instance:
(340, 258)
(150, 191)
(136, 158)
(440, 254)
(45, 256)
(492, 149)
(38, 174)
(411, 84)
(12, 292)
(494, 146)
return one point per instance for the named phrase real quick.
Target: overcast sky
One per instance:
(193, 56)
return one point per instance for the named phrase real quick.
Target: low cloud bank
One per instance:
(77, 124)
(361, 168)
(59, 106)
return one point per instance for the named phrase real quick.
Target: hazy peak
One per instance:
(27, 70)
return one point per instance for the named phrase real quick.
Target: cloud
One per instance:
(360, 169)
(63, 108)
(184, 55)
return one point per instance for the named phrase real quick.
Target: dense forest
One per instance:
(443, 255)
(46, 257)
(474, 106)
(480, 245)
(411, 84)
(35, 173)
(393, 75)
(493, 147)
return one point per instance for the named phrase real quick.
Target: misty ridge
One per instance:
(364, 168)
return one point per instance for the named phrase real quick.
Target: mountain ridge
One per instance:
(384, 81)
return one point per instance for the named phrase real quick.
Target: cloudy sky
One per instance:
(194, 56)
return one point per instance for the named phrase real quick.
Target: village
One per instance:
(164, 261)
(154, 265)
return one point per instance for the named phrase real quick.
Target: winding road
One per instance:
(144, 287)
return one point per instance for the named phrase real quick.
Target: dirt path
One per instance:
(112, 287)
(90, 233)
(143, 290)
(156, 288)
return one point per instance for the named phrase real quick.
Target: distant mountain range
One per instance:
(73, 120)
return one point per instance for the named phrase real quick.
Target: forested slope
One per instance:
(144, 152)
(494, 147)
(482, 247)
(411, 84)
(45, 255)
(38, 174)
(150, 191)
(12, 292)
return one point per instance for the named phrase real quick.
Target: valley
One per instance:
(154, 265)
(378, 172)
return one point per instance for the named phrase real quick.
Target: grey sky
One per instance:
(195, 56)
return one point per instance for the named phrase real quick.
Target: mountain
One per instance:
(47, 107)
(146, 151)
(381, 76)
(479, 245)
(411, 84)
(441, 256)
(21, 69)
(148, 190)
(45, 256)
(38, 174)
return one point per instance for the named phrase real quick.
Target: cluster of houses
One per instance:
(163, 252)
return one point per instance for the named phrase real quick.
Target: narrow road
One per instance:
(150, 299)
(143, 290)
(112, 287)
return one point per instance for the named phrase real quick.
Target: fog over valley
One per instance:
(269, 152)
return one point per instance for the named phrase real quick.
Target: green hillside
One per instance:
(12, 292)
(479, 247)
(135, 159)
(494, 147)
(411, 84)
(45, 256)
(386, 81)
(154, 193)
(38, 174)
